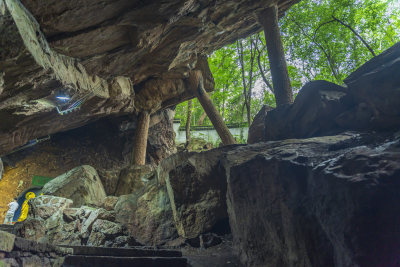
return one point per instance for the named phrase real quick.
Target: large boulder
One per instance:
(81, 184)
(371, 101)
(376, 87)
(312, 113)
(324, 201)
(147, 214)
(256, 129)
(196, 187)
(133, 178)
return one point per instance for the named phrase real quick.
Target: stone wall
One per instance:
(16, 251)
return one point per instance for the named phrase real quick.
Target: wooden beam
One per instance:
(140, 142)
(276, 55)
(196, 84)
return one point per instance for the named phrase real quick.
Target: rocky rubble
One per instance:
(153, 213)
(74, 210)
(106, 145)
(52, 220)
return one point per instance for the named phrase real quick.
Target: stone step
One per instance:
(105, 261)
(7, 228)
(124, 252)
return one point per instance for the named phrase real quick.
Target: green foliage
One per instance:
(240, 139)
(322, 48)
(317, 47)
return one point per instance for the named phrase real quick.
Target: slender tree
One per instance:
(188, 121)
(276, 55)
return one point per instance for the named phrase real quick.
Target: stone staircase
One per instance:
(7, 228)
(30, 253)
(138, 256)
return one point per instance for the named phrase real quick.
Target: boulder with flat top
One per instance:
(82, 185)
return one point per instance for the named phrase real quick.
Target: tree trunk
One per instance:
(202, 118)
(188, 120)
(140, 143)
(196, 84)
(280, 76)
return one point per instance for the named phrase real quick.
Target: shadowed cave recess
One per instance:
(90, 91)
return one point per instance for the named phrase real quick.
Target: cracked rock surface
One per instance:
(110, 57)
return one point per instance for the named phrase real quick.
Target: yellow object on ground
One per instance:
(25, 206)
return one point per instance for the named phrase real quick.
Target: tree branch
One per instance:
(328, 57)
(262, 70)
(359, 37)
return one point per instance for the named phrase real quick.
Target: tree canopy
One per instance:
(323, 40)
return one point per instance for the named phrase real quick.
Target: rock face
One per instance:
(375, 87)
(114, 57)
(327, 201)
(82, 185)
(147, 214)
(161, 140)
(256, 129)
(197, 188)
(312, 113)
(370, 101)
(133, 178)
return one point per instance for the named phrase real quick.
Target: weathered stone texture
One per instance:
(147, 214)
(315, 202)
(82, 185)
(197, 188)
(23, 252)
(328, 200)
(256, 129)
(370, 102)
(71, 226)
(133, 178)
(122, 56)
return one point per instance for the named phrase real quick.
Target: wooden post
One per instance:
(196, 84)
(188, 120)
(140, 143)
(276, 55)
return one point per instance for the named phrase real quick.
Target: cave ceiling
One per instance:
(109, 57)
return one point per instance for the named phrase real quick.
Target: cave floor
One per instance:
(220, 255)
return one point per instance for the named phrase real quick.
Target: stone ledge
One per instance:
(6, 241)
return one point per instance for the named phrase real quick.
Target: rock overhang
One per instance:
(120, 57)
